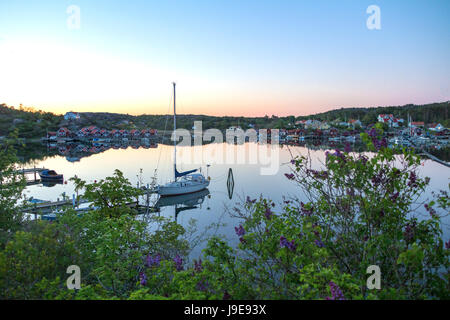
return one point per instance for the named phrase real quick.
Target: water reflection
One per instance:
(184, 202)
(92, 163)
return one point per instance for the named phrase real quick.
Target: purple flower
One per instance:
(372, 133)
(290, 176)
(250, 200)
(394, 196)
(284, 243)
(178, 263)
(412, 179)
(409, 232)
(363, 159)
(319, 243)
(292, 161)
(336, 292)
(226, 296)
(268, 213)
(240, 231)
(142, 278)
(198, 267)
(430, 210)
(447, 244)
(348, 148)
(305, 211)
(153, 261)
(202, 285)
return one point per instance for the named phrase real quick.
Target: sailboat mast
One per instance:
(175, 133)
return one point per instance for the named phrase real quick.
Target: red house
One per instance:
(63, 132)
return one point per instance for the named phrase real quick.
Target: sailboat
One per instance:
(184, 182)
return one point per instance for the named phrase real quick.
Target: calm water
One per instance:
(211, 208)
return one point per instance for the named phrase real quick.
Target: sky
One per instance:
(228, 57)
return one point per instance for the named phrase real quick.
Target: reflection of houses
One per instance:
(124, 133)
(94, 132)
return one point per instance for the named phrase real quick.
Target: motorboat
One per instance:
(50, 175)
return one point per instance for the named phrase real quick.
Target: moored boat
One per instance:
(50, 175)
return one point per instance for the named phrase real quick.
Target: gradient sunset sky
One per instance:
(233, 57)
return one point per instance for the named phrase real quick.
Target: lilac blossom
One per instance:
(240, 231)
(250, 200)
(284, 243)
(153, 260)
(336, 292)
(290, 176)
(198, 267)
(268, 213)
(348, 148)
(319, 243)
(178, 263)
(142, 278)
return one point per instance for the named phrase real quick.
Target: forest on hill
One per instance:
(32, 123)
(429, 113)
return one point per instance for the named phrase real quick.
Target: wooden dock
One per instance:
(46, 206)
(424, 153)
(35, 171)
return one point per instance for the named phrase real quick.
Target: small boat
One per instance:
(50, 175)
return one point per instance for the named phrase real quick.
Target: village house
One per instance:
(71, 116)
(116, 133)
(104, 133)
(313, 124)
(390, 120)
(135, 133)
(436, 127)
(124, 133)
(52, 135)
(300, 123)
(354, 123)
(63, 132)
(82, 133)
(417, 124)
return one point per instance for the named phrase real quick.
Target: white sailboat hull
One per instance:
(181, 187)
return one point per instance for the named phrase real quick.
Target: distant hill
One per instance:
(428, 113)
(35, 123)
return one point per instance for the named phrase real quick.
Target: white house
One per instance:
(390, 120)
(71, 116)
(436, 127)
(353, 123)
